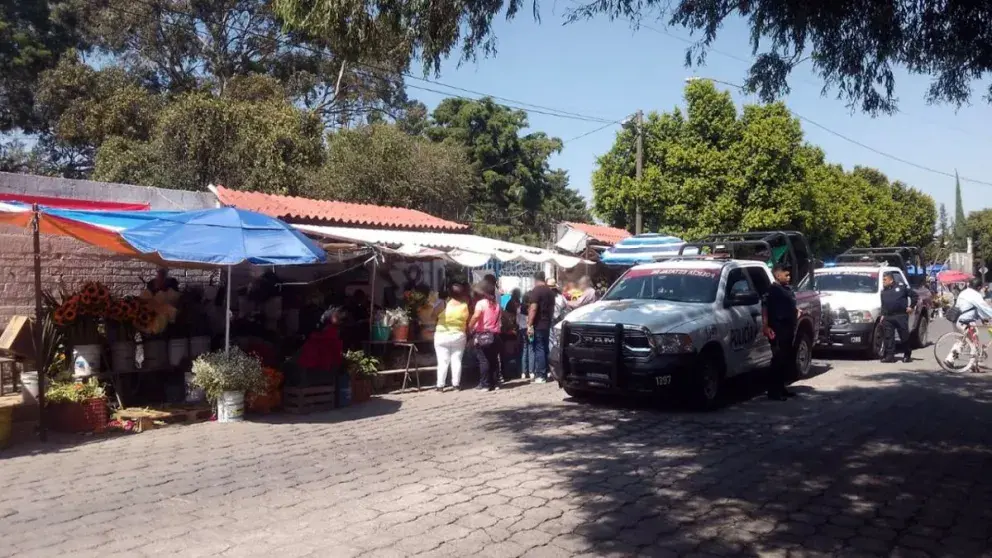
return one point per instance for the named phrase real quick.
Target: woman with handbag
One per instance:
(485, 326)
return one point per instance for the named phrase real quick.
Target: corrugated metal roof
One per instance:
(606, 235)
(290, 207)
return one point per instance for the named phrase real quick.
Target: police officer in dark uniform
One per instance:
(898, 302)
(780, 317)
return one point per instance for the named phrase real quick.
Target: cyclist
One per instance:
(971, 306)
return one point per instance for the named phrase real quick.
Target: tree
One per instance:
(980, 223)
(33, 35)
(854, 46)
(513, 179)
(265, 145)
(383, 165)
(942, 226)
(709, 168)
(961, 232)
(183, 47)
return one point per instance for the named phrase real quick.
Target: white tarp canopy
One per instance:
(468, 250)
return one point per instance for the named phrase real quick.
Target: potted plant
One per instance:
(225, 377)
(361, 369)
(399, 320)
(76, 406)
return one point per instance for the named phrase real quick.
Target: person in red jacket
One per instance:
(323, 350)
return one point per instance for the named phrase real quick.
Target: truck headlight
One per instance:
(859, 317)
(672, 343)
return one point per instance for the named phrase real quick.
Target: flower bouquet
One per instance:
(399, 320)
(225, 377)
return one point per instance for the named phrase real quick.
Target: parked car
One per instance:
(851, 294)
(685, 323)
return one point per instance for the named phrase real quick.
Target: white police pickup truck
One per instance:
(686, 324)
(851, 295)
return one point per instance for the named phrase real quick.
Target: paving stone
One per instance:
(526, 473)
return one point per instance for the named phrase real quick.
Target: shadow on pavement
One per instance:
(898, 466)
(375, 407)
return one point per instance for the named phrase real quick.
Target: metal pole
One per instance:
(640, 170)
(227, 313)
(375, 271)
(39, 325)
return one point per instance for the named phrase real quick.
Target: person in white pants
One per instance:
(450, 336)
(972, 306)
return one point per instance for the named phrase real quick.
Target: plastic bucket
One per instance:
(401, 333)
(29, 387)
(231, 407)
(86, 360)
(178, 350)
(156, 354)
(381, 333)
(6, 425)
(199, 345)
(122, 356)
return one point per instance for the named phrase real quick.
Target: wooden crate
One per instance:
(308, 400)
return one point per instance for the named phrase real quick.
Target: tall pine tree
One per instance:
(960, 224)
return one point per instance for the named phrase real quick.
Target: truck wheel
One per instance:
(874, 350)
(707, 385)
(918, 339)
(804, 355)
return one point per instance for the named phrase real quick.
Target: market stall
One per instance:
(219, 239)
(411, 269)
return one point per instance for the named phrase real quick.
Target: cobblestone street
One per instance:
(873, 460)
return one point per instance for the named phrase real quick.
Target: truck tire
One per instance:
(804, 355)
(918, 339)
(706, 389)
(874, 350)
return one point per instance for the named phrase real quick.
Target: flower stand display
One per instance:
(225, 377)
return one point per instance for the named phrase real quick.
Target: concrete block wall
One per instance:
(66, 261)
(70, 263)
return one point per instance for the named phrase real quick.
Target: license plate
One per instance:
(855, 340)
(663, 380)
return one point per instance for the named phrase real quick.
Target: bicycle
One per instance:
(967, 342)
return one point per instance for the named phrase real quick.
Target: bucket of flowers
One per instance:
(80, 316)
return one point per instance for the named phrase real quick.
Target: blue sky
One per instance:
(604, 69)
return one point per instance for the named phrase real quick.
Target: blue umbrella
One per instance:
(227, 236)
(642, 248)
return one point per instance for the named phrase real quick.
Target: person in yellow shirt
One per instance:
(450, 336)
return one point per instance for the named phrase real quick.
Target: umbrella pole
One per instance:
(227, 313)
(375, 270)
(39, 325)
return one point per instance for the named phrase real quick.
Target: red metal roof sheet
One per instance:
(71, 203)
(606, 235)
(290, 207)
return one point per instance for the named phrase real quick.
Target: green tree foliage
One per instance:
(980, 225)
(854, 46)
(710, 168)
(33, 34)
(267, 145)
(960, 222)
(514, 187)
(382, 164)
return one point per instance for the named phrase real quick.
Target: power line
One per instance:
(540, 109)
(591, 132)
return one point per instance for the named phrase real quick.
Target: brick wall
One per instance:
(66, 261)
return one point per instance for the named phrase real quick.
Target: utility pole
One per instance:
(640, 169)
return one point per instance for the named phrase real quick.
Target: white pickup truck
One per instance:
(851, 295)
(687, 323)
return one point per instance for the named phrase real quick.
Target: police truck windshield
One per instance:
(671, 284)
(847, 282)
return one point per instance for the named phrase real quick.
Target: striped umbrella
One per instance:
(642, 248)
